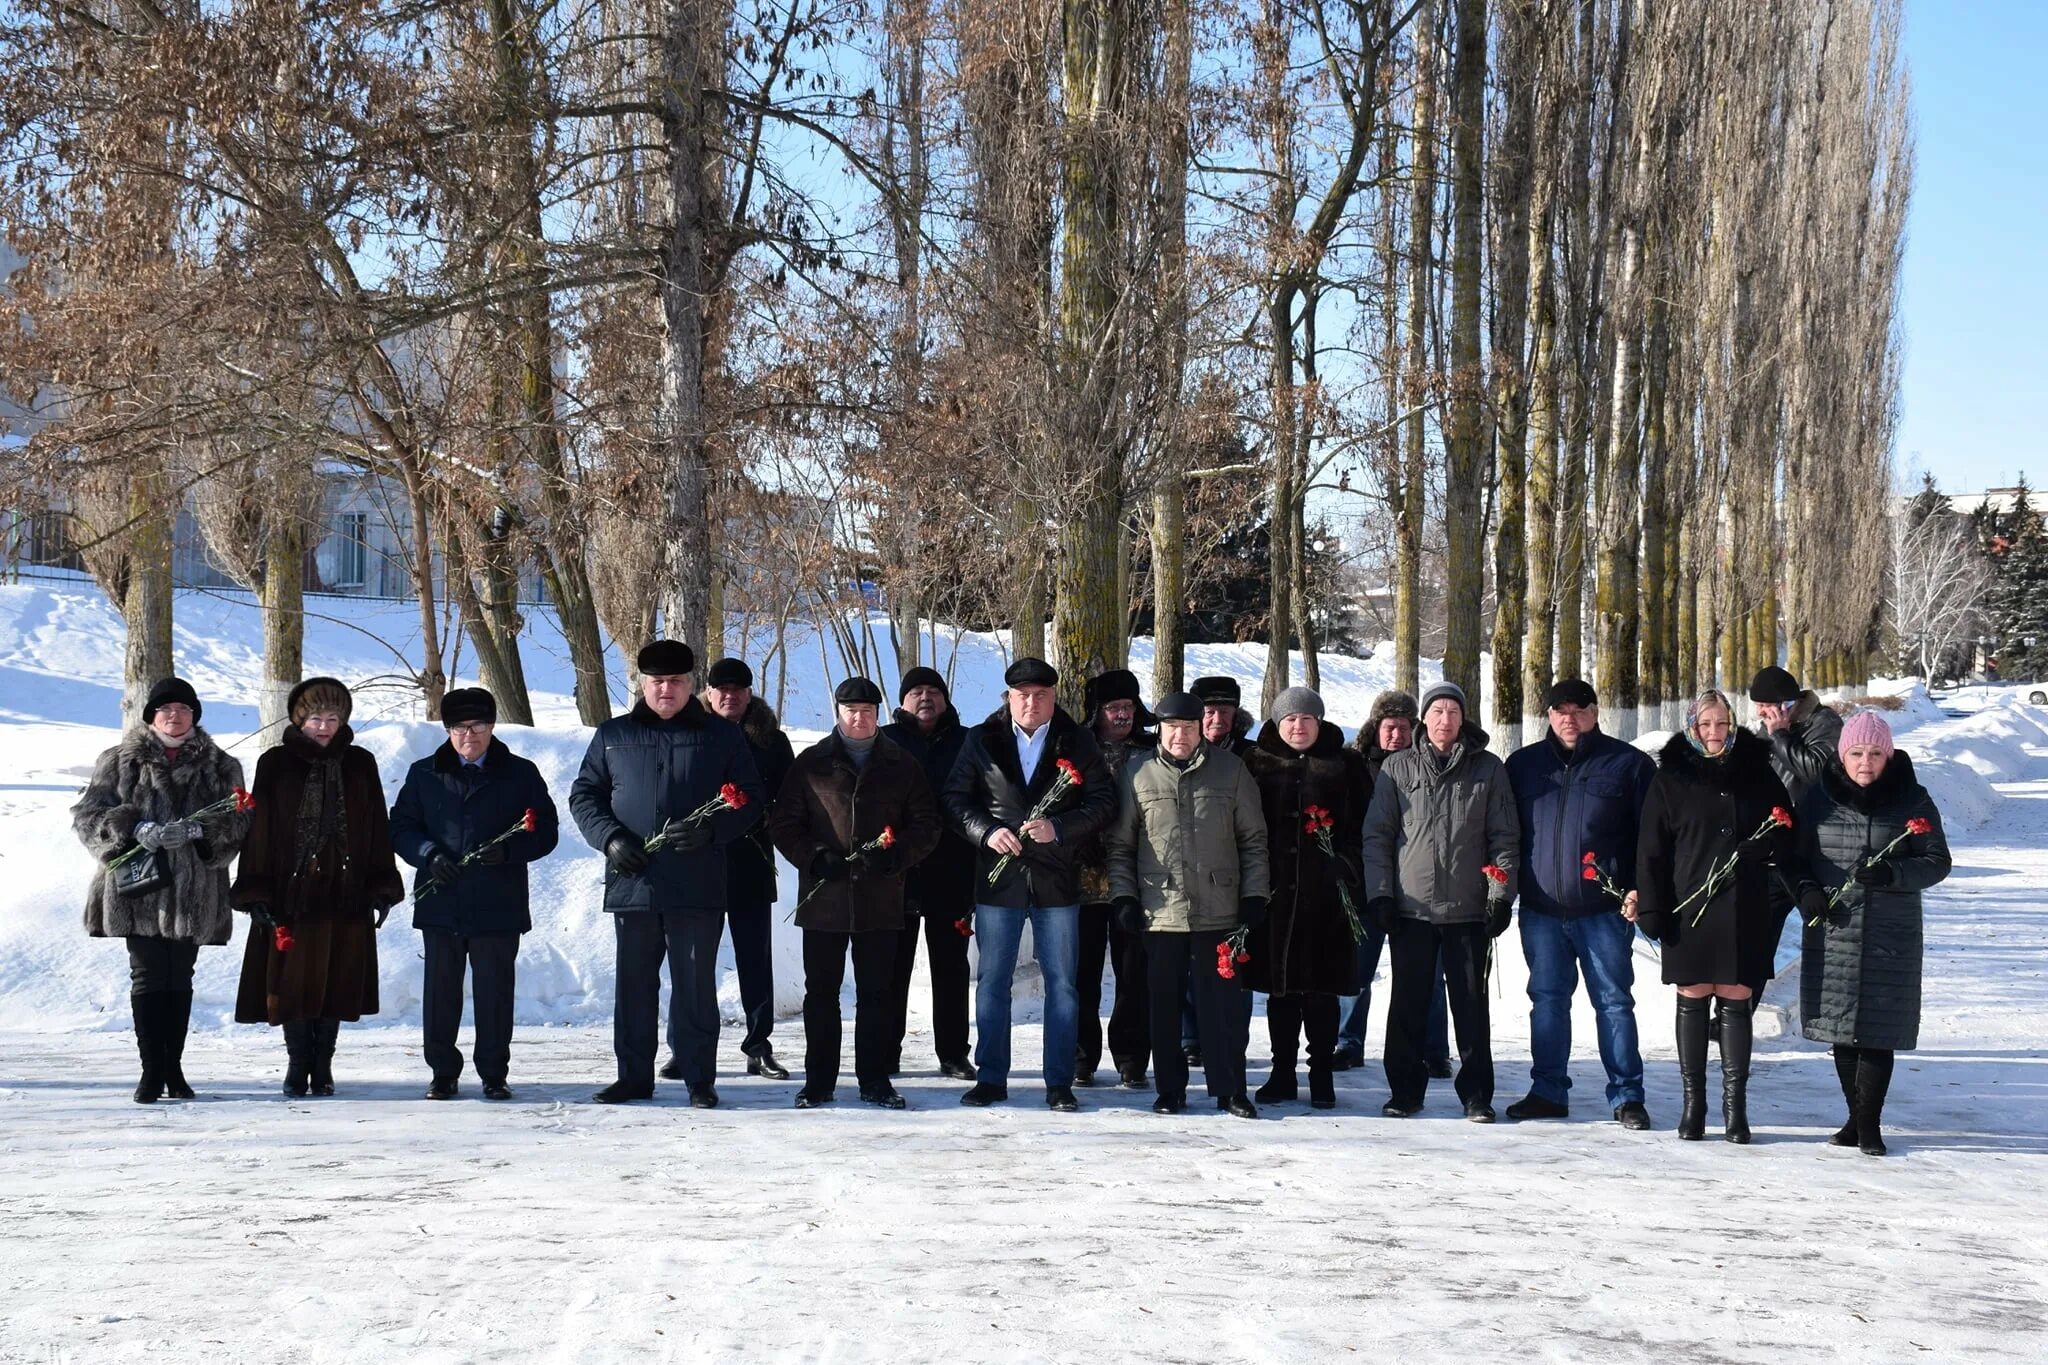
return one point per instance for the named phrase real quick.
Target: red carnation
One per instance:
(1781, 817)
(1918, 825)
(964, 928)
(1590, 872)
(529, 821)
(1243, 956)
(282, 937)
(1066, 765)
(1590, 858)
(732, 796)
(244, 803)
(887, 838)
(1495, 875)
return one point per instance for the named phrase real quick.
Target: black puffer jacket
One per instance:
(987, 789)
(1859, 978)
(942, 884)
(1698, 812)
(1805, 748)
(1305, 944)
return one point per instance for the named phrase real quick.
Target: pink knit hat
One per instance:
(1866, 728)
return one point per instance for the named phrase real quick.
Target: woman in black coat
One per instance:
(1304, 954)
(1859, 972)
(1714, 808)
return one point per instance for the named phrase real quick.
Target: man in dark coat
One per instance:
(940, 890)
(1028, 789)
(1803, 733)
(1388, 729)
(855, 812)
(644, 779)
(450, 822)
(1578, 794)
(1120, 723)
(750, 871)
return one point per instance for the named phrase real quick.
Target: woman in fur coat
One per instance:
(171, 893)
(318, 878)
(1710, 845)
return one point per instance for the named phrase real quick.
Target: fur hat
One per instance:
(167, 692)
(666, 659)
(467, 705)
(1218, 691)
(1865, 728)
(1392, 704)
(317, 695)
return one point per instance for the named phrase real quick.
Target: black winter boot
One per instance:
(1285, 1031)
(1322, 1086)
(149, 1044)
(1737, 1026)
(1691, 1034)
(176, 1019)
(1845, 1072)
(298, 1050)
(326, 1032)
(1873, 1080)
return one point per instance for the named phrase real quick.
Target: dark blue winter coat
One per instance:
(448, 808)
(1571, 802)
(640, 772)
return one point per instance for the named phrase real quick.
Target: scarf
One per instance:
(322, 824)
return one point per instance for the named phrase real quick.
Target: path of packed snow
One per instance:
(377, 1226)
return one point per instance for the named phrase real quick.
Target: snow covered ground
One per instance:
(376, 1226)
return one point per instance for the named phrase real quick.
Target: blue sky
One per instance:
(1975, 301)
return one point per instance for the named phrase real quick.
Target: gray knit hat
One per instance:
(1442, 690)
(1296, 701)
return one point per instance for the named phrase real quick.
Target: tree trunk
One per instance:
(1464, 545)
(1169, 584)
(1541, 615)
(1415, 367)
(146, 601)
(283, 594)
(1510, 381)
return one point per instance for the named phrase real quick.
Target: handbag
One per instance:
(144, 875)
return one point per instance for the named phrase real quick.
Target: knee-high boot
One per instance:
(1873, 1080)
(1691, 1033)
(1845, 1072)
(1737, 1026)
(325, 1033)
(1283, 1026)
(175, 1020)
(149, 1045)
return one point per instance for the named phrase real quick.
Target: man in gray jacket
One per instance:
(1442, 842)
(1187, 867)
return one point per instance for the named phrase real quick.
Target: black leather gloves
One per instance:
(442, 870)
(1813, 903)
(1757, 850)
(624, 852)
(1128, 915)
(879, 862)
(1383, 911)
(1500, 912)
(693, 836)
(259, 915)
(827, 866)
(1875, 876)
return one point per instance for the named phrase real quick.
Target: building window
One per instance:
(351, 549)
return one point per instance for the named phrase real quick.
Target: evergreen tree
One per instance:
(2016, 543)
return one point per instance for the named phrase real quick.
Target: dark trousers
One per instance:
(491, 958)
(689, 944)
(874, 967)
(945, 953)
(1219, 1004)
(159, 966)
(753, 959)
(1288, 1015)
(1130, 1024)
(1416, 946)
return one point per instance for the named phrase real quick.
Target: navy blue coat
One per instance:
(447, 808)
(642, 771)
(1588, 799)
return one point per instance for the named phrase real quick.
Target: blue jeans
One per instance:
(1056, 938)
(1351, 1035)
(1557, 949)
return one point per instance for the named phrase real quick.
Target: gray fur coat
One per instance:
(136, 781)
